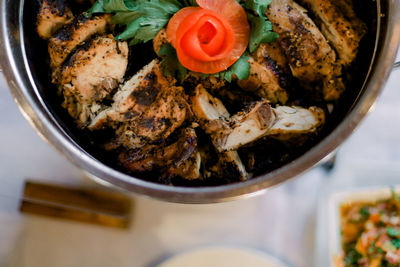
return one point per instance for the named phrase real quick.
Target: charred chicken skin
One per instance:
(340, 25)
(72, 34)
(90, 75)
(180, 157)
(52, 16)
(310, 56)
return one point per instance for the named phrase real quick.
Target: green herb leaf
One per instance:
(118, 5)
(241, 69)
(170, 63)
(396, 243)
(258, 6)
(261, 32)
(261, 27)
(352, 257)
(98, 7)
(393, 232)
(364, 212)
(143, 19)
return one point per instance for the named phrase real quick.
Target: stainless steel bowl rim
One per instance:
(22, 86)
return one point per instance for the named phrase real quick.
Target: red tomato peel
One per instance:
(209, 38)
(176, 21)
(217, 48)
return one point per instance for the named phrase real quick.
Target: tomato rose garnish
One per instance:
(209, 38)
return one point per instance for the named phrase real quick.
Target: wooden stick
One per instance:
(91, 206)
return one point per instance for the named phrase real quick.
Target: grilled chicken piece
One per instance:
(340, 25)
(188, 168)
(163, 117)
(243, 128)
(264, 80)
(310, 56)
(91, 74)
(212, 83)
(135, 97)
(272, 53)
(53, 14)
(293, 122)
(166, 157)
(229, 165)
(257, 121)
(81, 29)
(260, 120)
(270, 76)
(208, 109)
(166, 114)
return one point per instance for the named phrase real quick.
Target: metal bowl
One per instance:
(25, 86)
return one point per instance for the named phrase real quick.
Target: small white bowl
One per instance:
(223, 257)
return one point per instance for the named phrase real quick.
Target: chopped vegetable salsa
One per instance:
(371, 233)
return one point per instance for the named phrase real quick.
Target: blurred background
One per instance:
(281, 222)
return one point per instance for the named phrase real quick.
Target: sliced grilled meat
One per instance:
(52, 15)
(340, 25)
(135, 97)
(230, 166)
(264, 80)
(257, 121)
(188, 169)
(208, 109)
(292, 123)
(243, 128)
(272, 53)
(260, 120)
(163, 117)
(165, 157)
(81, 29)
(310, 56)
(91, 74)
(212, 83)
(270, 77)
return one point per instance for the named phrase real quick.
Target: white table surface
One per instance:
(280, 222)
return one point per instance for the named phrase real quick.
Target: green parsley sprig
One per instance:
(261, 28)
(240, 70)
(170, 63)
(143, 20)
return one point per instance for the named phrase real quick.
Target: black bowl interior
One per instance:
(38, 59)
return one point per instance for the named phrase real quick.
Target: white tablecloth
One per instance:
(280, 222)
